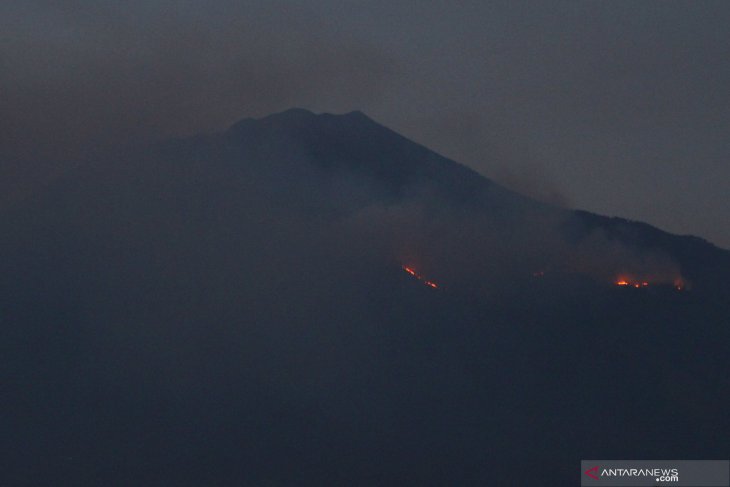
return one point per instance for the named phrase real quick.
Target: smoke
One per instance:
(530, 182)
(607, 259)
(473, 251)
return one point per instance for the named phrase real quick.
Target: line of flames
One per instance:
(412, 272)
(636, 284)
(623, 282)
(679, 284)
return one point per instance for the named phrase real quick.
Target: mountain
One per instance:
(232, 309)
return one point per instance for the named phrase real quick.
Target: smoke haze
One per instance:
(617, 109)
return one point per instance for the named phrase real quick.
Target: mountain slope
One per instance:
(231, 310)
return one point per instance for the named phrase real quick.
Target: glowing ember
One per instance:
(629, 283)
(419, 277)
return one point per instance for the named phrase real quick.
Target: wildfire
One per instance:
(412, 272)
(678, 284)
(629, 283)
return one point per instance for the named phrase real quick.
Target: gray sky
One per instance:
(621, 108)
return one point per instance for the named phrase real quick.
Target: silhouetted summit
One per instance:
(354, 142)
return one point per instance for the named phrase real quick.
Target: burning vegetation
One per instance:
(632, 282)
(678, 283)
(413, 273)
(629, 283)
(622, 281)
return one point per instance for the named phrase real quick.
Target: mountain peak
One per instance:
(299, 116)
(353, 141)
(293, 113)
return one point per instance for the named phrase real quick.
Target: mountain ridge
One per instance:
(413, 163)
(301, 115)
(386, 164)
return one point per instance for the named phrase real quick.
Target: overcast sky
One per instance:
(621, 108)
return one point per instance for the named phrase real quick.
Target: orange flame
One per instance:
(412, 272)
(679, 284)
(625, 282)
